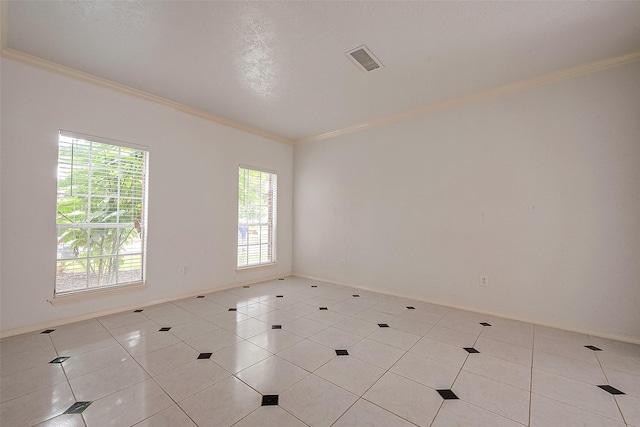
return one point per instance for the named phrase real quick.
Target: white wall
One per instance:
(192, 192)
(540, 191)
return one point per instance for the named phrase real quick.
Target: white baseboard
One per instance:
(623, 338)
(67, 320)
(73, 319)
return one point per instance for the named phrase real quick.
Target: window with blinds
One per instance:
(257, 212)
(101, 213)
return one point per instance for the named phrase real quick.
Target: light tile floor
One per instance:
(211, 360)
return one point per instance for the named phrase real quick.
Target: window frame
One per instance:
(271, 224)
(140, 225)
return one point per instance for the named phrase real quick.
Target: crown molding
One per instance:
(4, 24)
(99, 81)
(496, 92)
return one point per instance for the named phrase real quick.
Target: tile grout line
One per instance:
(275, 355)
(375, 382)
(473, 404)
(624, 420)
(177, 404)
(231, 374)
(257, 391)
(151, 377)
(141, 367)
(579, 381)
(319, 367)
(361, 338)
(88, 373)
(454, 380)
(459, 372)
(73, 394)
(533, 346)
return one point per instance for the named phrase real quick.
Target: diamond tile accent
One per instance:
(165, 329)
(447, 394)
(610, 389)
(78, 407)
(490, 386)
(269, 400)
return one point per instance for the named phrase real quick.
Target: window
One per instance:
(101, 213)
(257, 211)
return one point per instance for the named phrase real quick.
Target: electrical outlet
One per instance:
(484, 281)
(184, 271)
(343, 264)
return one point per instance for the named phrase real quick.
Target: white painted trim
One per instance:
(99, 81)
(4, 24)
(421, 111)
(96, 293)
(67, 320)
(255, 267)
(508, 89)
(103, 140)
(632, 340)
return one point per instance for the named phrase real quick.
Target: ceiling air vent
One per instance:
(364, 59)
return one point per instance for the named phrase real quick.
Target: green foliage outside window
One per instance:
(100, 209)
(257, 211)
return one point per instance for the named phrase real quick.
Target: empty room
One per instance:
(320, 213)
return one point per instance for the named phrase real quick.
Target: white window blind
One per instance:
(257, 212)
(101, 213)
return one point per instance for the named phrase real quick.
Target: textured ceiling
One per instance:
(280, 66)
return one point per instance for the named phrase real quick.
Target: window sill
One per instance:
(97, 293)
(255, 267)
